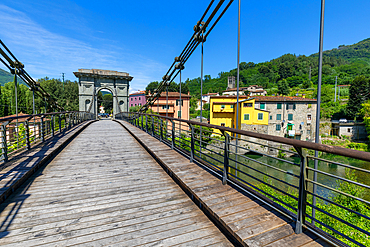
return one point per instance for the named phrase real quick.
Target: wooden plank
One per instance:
(103, 188)
(250, 221)
(293, 240)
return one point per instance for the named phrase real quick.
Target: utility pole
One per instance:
(335, 93)
(237, 91)
(317, 129)
(63, 80)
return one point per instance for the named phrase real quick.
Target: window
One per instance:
(139, 104)
(262, 106)
(270, 117)
(223, 124)
(135, 104)
(248, 104)
(278, 116)
(139, 98)
(349, 130)
(222, 106)
(232, 106)
(290, 106)
(135, 98)
(308, 132)
(132, 99)
(179, 114)
(309, 117)
(178, 102)
(278, 127)
(246, 116)
(260, 116)
(165, 107)
(278, 105)
(290, 117)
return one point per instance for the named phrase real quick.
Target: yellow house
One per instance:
(223, 112)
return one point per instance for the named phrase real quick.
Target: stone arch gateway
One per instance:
(90, 81)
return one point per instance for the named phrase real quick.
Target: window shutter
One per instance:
(294, 106)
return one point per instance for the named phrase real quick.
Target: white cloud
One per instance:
(45, 53)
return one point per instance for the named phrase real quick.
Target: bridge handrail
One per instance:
(18, 133)
(4, 119)
(356, 154)
(298, 189)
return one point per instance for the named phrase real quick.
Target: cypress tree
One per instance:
(358, 94)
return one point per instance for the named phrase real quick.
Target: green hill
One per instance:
(356, 52)
(6, 77)
(346, 62)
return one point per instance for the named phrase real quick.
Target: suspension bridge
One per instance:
(143, 179)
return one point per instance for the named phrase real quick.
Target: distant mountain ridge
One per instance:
(358, 51)
(6, 77)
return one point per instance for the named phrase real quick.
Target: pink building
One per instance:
(137, 99)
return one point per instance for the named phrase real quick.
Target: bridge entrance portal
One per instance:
(91, 81)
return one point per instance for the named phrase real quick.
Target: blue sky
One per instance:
(143, 37)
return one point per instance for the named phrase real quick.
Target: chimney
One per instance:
(188, 92)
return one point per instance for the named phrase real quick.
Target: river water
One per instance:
(337, 170)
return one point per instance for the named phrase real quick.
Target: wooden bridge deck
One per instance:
(104, 189)
(250, 221)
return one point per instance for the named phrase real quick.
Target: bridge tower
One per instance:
(91, 81)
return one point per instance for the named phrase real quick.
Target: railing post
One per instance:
(161, 130)
(52, 125)
(4, 147)
(27, 127)
(152, 125)
(42, 130)
(60, 123)
(173, 134)
(146, 123)
(69, 120)
(142, 122)
(301, 213)
(226, 157)
(192, 143)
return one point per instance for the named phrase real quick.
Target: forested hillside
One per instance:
(7, 77)
(293, 74)
(66, 96)
(346, 62)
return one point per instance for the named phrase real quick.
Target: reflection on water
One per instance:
(249, 166)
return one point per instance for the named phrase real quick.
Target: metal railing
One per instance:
(22, 132)
(330, 199)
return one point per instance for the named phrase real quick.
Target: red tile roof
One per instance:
(175, 95)
(267, 98)
(282, 98)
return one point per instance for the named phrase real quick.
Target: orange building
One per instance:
(173, 106)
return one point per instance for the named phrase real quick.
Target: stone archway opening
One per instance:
(105, 103)
(92, 81)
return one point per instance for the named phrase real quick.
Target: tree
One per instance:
(283, 87)
(151, 87)
(327, 94)
(135, 108)
(285, 70)
(108, 102)
(263, 69)
(365, 112)
(358, 94)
